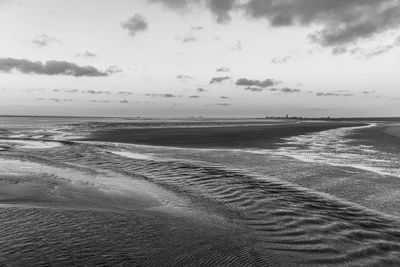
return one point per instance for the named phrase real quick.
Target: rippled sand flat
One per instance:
(101, 203)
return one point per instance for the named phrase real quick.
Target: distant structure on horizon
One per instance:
(286, 117)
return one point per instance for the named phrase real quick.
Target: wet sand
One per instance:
(52, 213)
(393, 130)
(225, 137)
(34, 184)
(89, 204)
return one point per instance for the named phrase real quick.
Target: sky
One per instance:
(212, 58)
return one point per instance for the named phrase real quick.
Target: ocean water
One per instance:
(329, 198)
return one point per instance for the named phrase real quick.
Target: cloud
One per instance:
(135, 24)
(336, 93)
(219, 79)
(113, 70)
(94, 92)
(44, 40)
(223, 69)
(339, 50)
(367, 92)
(125, 93)
(367, 53)
(258, 83)
(189, 39)
(196, 28)
(35, 89)
(221, 9)
(223, 104)
(124, 101)
(86, 54)
(283, 90)
(201, 90)
(339, 21)
(194, 96)
(378, 51)
(237, 46)
(162, 95)
(183, 77)
(277, 60)
(70, 91)
(54, 99)
(100, 101)
(51, 67)
(287, 90)
(397, 41)
(254, 89)
(224, 97)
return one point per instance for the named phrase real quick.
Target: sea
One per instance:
(324, 198)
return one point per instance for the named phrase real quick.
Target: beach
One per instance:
(278, 194)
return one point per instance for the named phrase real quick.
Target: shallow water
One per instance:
(196, 206)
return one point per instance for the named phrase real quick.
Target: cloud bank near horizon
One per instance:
(51, 67)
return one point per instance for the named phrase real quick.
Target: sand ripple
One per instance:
(257, 221)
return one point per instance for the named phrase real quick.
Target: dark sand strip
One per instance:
(393, 130)
(208, 137)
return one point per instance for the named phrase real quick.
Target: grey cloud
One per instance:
(94, 92)
(224, 97)
(86, 54)
(258, 83)
(223, 69)
(194, 96)
(124, 101)
(283, 90)
(364, 53)
(339, 50)
(100, 101)
(176, 4)
(253, 89)
(337, 93)
(196, 28)
(367, 92)
(183, 77)
(54, 99)
(125, 93)
(397, 41)
(44, 40)
(221, 9)
(289, 90)
(113, 70)
(188, 39)
(71, 91)
(277, 60)
(201, 90)
(51, 67)
(378, 51)
(162, 95)
(223, 104)
(135, 24)
(35, 89)
(340, 21)
(237, 46)
(219, 79)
